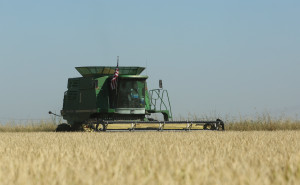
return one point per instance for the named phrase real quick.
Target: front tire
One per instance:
(209, 126)
(64, 127)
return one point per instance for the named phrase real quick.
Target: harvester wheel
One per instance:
(94, 125)
(220, 125)
(209, 126)
(98, 127)
(64, 127)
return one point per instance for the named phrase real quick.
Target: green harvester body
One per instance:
(91, 96)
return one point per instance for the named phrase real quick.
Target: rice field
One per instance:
(198, 157)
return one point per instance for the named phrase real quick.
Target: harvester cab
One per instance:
(105, 98)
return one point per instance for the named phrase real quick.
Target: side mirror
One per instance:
(160, 84)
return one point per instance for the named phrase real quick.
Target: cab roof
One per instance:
(91, 71)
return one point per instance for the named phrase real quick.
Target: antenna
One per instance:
(117, 60)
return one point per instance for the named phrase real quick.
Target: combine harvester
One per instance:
(117, 98)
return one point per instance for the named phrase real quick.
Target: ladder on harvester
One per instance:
(160, 103)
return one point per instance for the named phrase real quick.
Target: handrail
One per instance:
(159, 102)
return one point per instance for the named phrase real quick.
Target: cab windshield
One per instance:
(131, 93)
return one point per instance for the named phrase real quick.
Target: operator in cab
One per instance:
(133, 97)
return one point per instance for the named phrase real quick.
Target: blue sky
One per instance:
(215, 57)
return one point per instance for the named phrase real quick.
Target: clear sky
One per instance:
(223, 57)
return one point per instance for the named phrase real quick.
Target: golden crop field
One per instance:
(199, 157)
